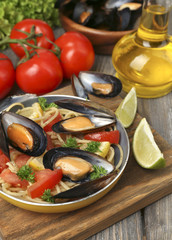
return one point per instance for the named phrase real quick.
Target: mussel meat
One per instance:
(76, 164)
(83, 124)
(23, 134)
(98, 84)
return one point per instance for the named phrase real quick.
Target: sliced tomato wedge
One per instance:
(3, 160)
(13, 179)
(45, 179)
(112, 136)
(21, 160)
(48, 127)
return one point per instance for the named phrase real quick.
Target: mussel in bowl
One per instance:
(99, 84)
(22, 134)
(79, 166)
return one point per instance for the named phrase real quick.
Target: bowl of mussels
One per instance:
(104, 22)
(61, 176)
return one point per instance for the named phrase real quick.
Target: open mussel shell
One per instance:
(87, 188)
(86, 107)
(18, 127)
(78, 88)
(83, 124)
(57, 154)
(98, 84)
(3, 142)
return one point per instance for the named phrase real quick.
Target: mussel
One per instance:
(94, 117)
(76, 164)
(22, 134)
(103, 14)
(98, 84)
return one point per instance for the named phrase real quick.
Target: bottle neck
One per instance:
(154, 21)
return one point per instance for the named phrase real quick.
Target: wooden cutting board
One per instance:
(136, 189)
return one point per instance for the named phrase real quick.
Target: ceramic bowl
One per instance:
(29, 99)
(103, 41)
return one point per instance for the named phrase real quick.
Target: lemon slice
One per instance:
(36, 164)
(104, 149)
(146, 151)
(126, 111)
(33, 112)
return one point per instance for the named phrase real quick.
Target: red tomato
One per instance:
(21, 160)
(3, 160)
(50, 144)
(7, 75)
(45, 179)
(48, 127)
(40, 74)
(26, 25)
(77, 53)
(13, 179)
(112, 136)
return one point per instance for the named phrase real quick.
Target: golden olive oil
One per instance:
(143, 59)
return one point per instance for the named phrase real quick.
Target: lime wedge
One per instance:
(145, 149)
(126, 111)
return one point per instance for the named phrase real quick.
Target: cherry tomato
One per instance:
(112, 136)
(3, 160)
(7, 75)
(26, 25)
(40, 74)
(48, 127)
(45, 179)
(13, 179)
(77, 53)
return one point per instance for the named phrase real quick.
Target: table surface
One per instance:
(154, 221)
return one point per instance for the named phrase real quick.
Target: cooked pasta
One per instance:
(43, 118)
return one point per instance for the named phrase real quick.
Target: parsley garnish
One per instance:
(98, 172)
(44, 105)
(71, 142)
(47, 196)
(26, 172)
(93, 147)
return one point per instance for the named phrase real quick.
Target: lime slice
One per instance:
(104, 149)
(127, 109)
(146, 151)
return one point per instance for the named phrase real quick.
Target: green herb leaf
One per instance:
(44, 105)
(93, 147)
(26, 172)
(98, 172)
(47, 196)
(71, 142)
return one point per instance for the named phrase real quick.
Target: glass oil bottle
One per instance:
(143, 59)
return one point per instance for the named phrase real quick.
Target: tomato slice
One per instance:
(45, 179)
(48, 127)
(112, 136)
(21, 160)
(3, 160)
(13, 179)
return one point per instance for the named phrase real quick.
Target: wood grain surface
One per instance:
(136, 189)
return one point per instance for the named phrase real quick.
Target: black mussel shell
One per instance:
(87, 188)
(78, 88)
(125, 15)
(3, 141)
(86, 107)
(99, 122)
(38, 134)
(115, 4)
(82, 13)
(88, 78)
(53, 155)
